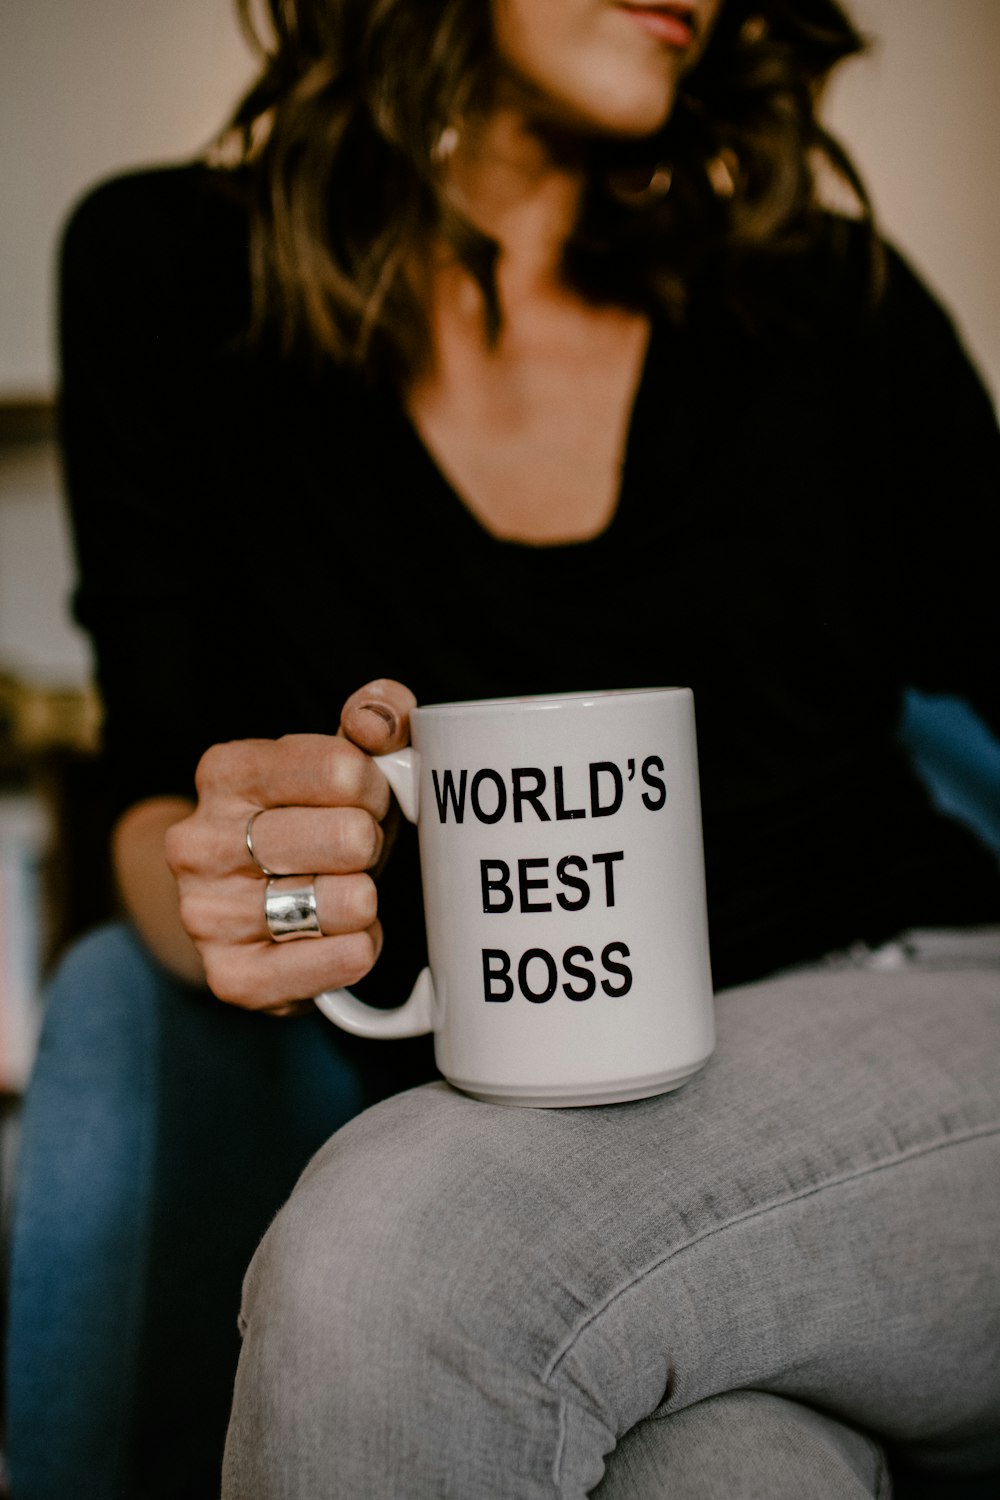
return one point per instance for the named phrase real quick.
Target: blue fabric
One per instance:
(958, 759)
(162, 1131)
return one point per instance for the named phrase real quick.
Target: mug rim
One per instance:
(543, 701)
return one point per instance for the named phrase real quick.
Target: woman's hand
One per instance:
(320, 803)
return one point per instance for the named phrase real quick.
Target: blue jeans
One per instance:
(700, 1295)
(161, 1133)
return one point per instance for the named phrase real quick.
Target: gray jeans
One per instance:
(739, 1290)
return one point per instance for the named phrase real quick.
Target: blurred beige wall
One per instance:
(921, 115)
(90, 86)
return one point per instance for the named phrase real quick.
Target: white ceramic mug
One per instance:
(564, 896)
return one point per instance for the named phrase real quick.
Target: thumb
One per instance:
(377, 717)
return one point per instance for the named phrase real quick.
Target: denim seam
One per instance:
(146, 1152)
(560, 1447)
(979, 1133)
(883, 1482)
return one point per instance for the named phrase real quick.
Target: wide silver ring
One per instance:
(250, 849)
(291, 913)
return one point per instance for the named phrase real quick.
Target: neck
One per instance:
(516, 187)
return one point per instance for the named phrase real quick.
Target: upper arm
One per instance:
(940, 477)
(147, 329)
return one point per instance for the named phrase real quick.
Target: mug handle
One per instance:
(415, 1017)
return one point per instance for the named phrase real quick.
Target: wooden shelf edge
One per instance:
(27, 419)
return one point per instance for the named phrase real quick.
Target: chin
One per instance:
(609, 109)
(618, 95)
(631, 120)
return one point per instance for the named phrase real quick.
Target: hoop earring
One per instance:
(639, 187)
(753, 30)
(721, 171)
(445, 146)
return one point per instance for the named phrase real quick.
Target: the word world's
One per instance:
(488, 795)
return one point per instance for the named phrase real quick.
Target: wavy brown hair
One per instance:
(341, 134)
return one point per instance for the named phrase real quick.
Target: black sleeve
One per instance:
(153, 309)
(941, 479)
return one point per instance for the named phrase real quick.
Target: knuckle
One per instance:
(212, 767)
(175, 845)
(196, 845)
(233, 977)
(232, 765)
(358, 837)
(357, 956)
(192, 914)
(365, 901)
(220, 976)
(184, 846)
(344, 772)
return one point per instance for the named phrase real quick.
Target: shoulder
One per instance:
(162, 210)
(168, 244)
(868, 291)
(914, 327)
(853, 306)
(839, 278)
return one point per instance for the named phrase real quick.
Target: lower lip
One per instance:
(667, 28)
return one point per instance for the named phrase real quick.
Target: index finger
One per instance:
(299, 770)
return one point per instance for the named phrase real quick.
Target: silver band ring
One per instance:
(250, 849)
(291, 913)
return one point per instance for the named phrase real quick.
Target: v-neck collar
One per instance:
(477, 532)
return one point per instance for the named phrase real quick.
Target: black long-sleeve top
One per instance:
(807, 524)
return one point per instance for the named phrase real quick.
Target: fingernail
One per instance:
(380, 710)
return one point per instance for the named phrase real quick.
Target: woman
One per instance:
(549, 322)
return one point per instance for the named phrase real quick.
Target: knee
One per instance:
(101, 997)
(376, 1237)
(98, 1045)
(87, 1147)
(385, 1313)
(102, 976)
(746, 1442)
